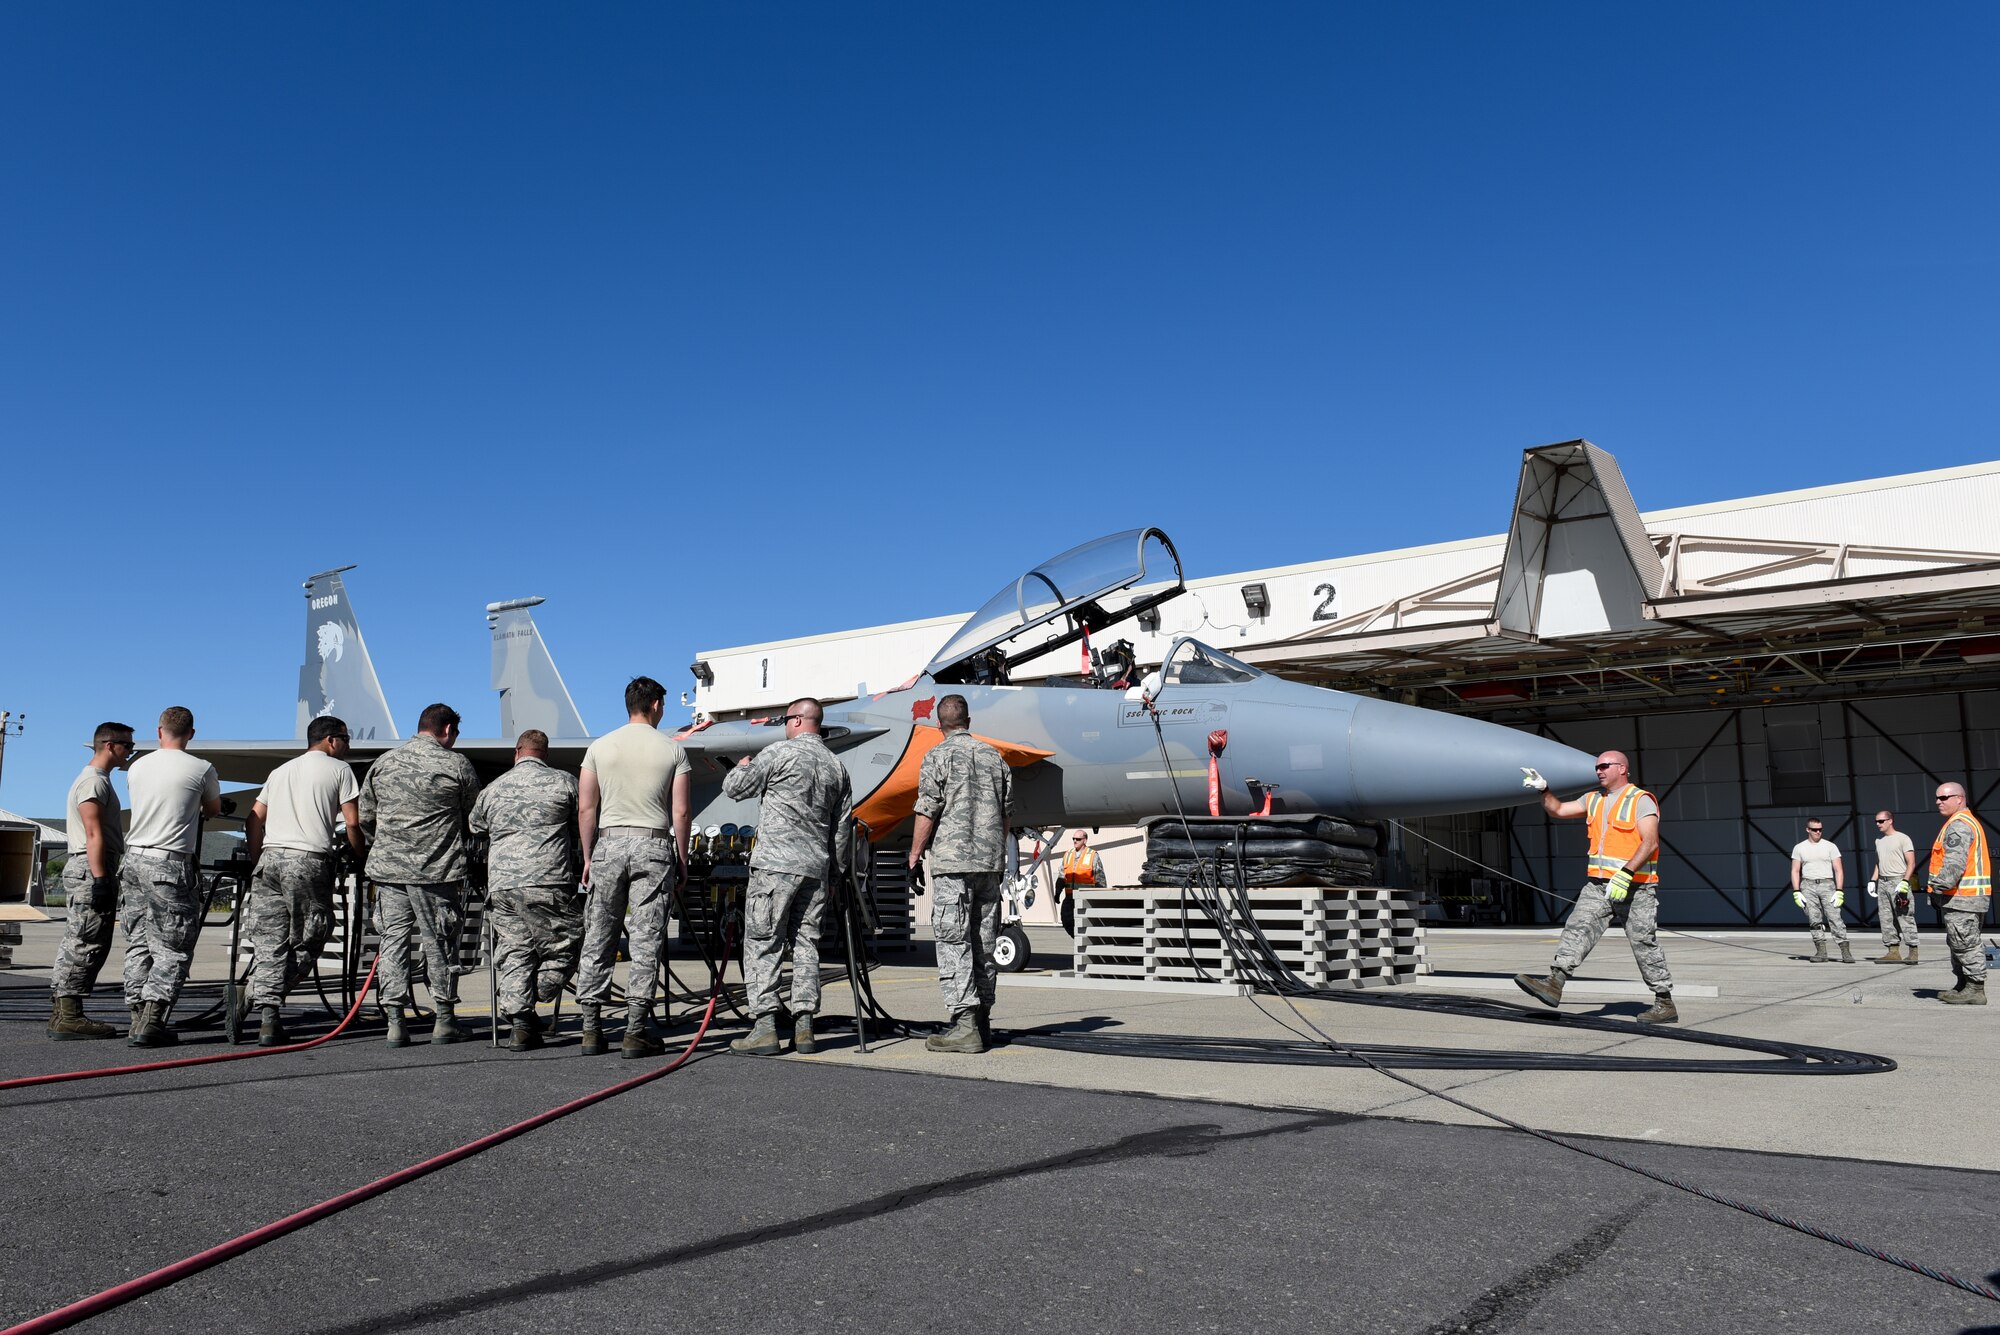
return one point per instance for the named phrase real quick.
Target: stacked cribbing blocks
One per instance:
(1330, 936)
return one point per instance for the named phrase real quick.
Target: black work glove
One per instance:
(103, 894)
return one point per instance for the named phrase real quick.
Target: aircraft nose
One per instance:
(1418, 762)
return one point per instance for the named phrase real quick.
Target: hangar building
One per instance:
(1823, 652)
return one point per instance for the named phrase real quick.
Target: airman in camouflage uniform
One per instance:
(633, 814)
(1961, 877)
(964, 795)
(90, 885)
(805, 803)
(292, 830)
(160, 901)
(414, 805)
(529, 815)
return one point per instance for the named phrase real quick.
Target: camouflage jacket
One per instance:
(414, 803)
(1956, 840)
(966, 787)
(805, 802)
(528, 815)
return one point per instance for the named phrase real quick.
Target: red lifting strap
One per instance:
(1216, 741)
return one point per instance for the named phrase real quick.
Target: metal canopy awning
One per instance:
(1586, 609)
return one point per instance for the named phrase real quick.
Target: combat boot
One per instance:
(593, 1032)
(963, 1036)
(1819, 955)
(1966, 994)
(67, 1021)
(761, 1041)
(527, 1035)
(446, 1029)
(803, 1041)
(1846, 955)
(399, 1033)
(984, 1018)
(1913, 956)
(1893, 955)
(1548, 991)
(640, 1040)
(1662, 1011)
(137, 1013)
(270, 1033)
(152, 1031)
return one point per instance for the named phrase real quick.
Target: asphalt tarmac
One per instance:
(825, 1194)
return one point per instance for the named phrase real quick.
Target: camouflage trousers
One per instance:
(1898, 928)
(1592, 915)
(1822, 914)
(537, 933)
(781, 906)
(291, 917)
(965, 921)
(160, 907)
(404, 913)
(86, 940)
(1968, 946)
(628, 873)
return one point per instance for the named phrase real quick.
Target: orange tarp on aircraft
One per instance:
(895, 798)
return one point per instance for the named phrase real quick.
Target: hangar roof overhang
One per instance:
(1588, 613)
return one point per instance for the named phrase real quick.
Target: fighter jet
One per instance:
(1204, 732)
(1108, 745)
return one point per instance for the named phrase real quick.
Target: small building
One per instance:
(26, 845)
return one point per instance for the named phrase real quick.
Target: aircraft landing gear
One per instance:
(1010, 949)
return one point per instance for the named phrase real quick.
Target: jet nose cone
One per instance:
(1417, 762)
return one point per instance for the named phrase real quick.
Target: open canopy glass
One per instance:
(1086, 588)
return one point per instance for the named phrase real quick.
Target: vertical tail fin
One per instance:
(337, 676)
(532, 694)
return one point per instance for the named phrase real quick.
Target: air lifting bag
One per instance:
(1331, 829)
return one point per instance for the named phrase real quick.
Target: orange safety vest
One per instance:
(1614, 835)
(1977, 881)
(1080, 868)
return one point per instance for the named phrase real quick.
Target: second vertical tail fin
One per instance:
(532, 694)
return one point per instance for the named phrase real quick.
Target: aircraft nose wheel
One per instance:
(1010, 950)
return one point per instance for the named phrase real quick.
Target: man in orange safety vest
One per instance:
(1961, 886)
(1624, 862)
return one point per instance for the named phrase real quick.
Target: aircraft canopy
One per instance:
(1098, 584)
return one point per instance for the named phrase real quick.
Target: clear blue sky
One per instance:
(721, 323)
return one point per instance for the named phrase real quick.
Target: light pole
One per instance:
(10, 726)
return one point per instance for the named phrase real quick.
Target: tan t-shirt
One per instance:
(302, 799)
(635, 767)
(1815, 859)
(1893, 854)
(168, 788)
(94, 785)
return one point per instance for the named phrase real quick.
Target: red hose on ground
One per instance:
(22, 1082)
(117, 1295)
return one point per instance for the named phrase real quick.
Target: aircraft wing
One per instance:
(710, 750)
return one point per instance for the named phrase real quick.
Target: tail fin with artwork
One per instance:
(337, 676)
(532, 694)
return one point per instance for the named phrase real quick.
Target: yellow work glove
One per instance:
(1839, 898)
(1619, 886)
(1902, 887)
(1798, 900)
